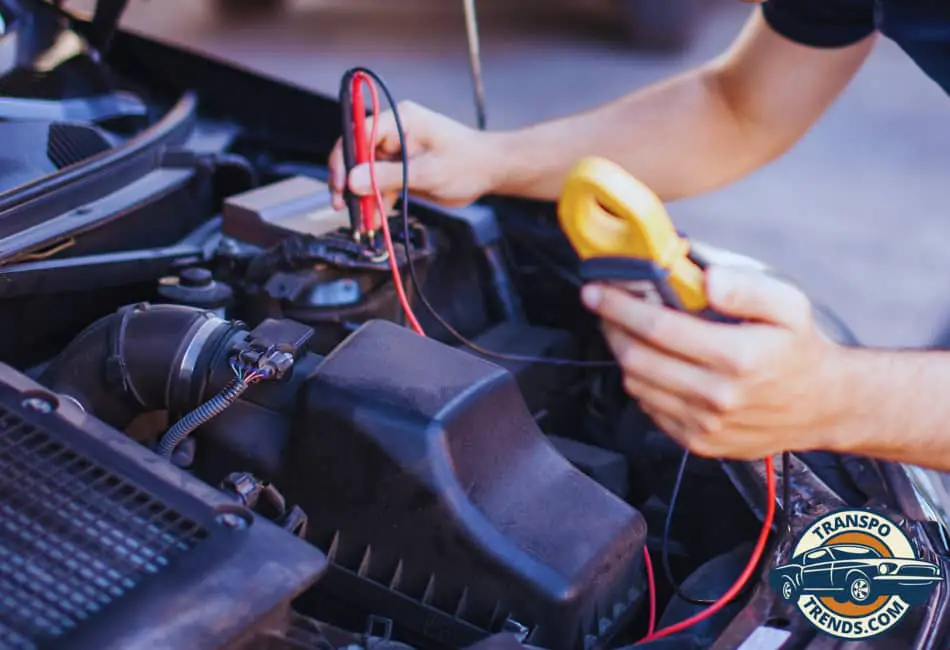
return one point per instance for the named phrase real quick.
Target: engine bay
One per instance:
(186, 311)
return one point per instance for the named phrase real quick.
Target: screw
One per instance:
(38, 404)
(231, 520)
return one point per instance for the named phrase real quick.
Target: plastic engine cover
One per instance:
(442, 506)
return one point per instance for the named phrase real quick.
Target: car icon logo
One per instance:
(854, 574)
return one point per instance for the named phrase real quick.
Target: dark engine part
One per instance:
(143, 358)
(310, 267)
(169, 358)
(442, 506)
(105, 548)
(196, 287)
(419, 467)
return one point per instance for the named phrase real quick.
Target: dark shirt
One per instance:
(920, 27)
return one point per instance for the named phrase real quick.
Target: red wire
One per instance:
(361, 145)
(360, 78)
(651, 587)
(746, 573)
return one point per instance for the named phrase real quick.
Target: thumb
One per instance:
(757, 296)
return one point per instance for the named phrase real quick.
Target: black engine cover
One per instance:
(442, 505)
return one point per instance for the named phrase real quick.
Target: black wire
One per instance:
(664, 548)
(404, 214)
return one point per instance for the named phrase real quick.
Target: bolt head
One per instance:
(38, 404)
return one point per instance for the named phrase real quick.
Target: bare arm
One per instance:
(696, 132)
(896, 406)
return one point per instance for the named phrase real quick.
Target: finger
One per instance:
(683, 430)
(676, 333)
(389, 202)
(655, 400)
(754, 295)
(388, 178)
(337, 176)
(669, 426)
(425, 175)
(664, 371)
(387, 134)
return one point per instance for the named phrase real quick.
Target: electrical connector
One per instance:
(272, 347)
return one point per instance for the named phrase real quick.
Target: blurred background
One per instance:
(858, 212)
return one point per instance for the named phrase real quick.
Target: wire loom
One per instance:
(209, 410)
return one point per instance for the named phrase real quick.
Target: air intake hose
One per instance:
(145, 358)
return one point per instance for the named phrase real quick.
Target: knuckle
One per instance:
(696, 444)
(709, 425)
(741, 362)
(800, 301)
(702, 446)
(722, 398)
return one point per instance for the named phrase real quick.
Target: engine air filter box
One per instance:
(443, 507)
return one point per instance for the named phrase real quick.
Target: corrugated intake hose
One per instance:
(144, 358)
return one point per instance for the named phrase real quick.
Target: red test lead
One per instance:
(356, 150)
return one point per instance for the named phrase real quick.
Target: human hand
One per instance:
(741, 391)
(449, 163)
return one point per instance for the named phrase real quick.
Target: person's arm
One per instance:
(698, 131)
(897, 406)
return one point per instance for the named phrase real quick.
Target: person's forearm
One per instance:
(680, 137)
(693, 133)
(897, 407)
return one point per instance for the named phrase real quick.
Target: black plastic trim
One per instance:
(73, 186)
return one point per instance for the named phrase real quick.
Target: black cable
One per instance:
(664, 548)
(404, 214)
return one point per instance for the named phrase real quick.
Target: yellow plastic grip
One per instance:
(606, 212)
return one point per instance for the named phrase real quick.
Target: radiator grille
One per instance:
(74, 537)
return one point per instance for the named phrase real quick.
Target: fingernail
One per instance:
(359, 179)
(591, 295)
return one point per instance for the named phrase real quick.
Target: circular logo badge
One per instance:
(854, 574)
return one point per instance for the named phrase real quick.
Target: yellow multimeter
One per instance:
(623, 235)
